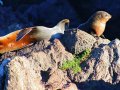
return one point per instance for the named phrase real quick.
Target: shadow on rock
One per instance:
(98, 85)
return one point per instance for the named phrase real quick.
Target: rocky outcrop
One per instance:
(25, 71)
(43, 53)
(40, 63)
(36, 67)
(76, 41)
(102, 65)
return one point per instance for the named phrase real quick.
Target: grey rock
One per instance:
(77, 41)
(24, 70)
(44, 54)
(100, 42)
(20, 75)
(27, 64)
(57, 80)
(103, 65)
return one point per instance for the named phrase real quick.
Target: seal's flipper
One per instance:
(23, 32)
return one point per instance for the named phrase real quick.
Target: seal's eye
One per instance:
(106, 15)
(99, 16)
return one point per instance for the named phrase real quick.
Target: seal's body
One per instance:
(20, 38)
(96, 23)
(9, 43)
(41, 32)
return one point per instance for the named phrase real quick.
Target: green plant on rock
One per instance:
(74, 64)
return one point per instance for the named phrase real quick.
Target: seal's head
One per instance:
(101, 16)
(65, 21)
(64, 24)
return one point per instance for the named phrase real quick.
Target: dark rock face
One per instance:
(16, 14)
(49, 12)
(85, 8)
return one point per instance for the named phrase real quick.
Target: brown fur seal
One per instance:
(96, 23)
(20, 38)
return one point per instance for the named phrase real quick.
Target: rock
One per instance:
(20, 75)
(26, 65)
(77, 41)
(103, 65)
(70, 86)
(57, 80)
(44, 54)
(101, 41)
(52, 56)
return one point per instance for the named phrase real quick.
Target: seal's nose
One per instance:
(110, 16)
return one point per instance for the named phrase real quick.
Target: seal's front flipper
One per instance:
(23, 33)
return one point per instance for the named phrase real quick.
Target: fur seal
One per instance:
(41, 32)
(21, 38)
(96, 23)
